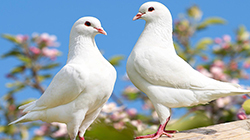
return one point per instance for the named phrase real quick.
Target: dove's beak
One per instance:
(101, 30)
(138, 16)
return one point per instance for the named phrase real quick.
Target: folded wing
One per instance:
(67, 84)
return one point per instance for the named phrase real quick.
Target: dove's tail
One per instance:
(26, 105)
(204, 97)
(238, 92)
(31, 116)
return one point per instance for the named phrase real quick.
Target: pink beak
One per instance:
(100, 30)
(138, 16)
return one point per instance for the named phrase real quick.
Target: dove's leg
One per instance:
(87, 122)
(72, 130)
(74, 124)
(164, 117)
(161, 130)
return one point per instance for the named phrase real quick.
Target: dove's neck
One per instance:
(157, 34)
(81, 46)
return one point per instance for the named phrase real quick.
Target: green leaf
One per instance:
(9, 129)
(115, 60)
(17, 69)
(203, 43)
(24, 132)
(246, 106)
(241, 29)
(210, 21)
(190, 121)
(25, 59)
(108, 132)
(37, 138)
(194, 12)
(50, 66)
(17, 86)
(10, 38)
(43, 77)
(2, 128)
(131, 96)
(13, 52)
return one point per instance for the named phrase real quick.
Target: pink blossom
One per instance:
(246, 76)
(225, 45)
(244, 96)
(148, 105)
(35, 50)
(246, 65)
(139, 125)
(241, 114)
(219, 63)
(118, 116)
(22, 38)
(227, 38)
(51, 53)
(111, 107)
(49, 40)
(42, 130)
(131, 89)
(119, 125)
(62, 131)
(217, 40)
(216, 70)
(131, 112)
(218, 73)
(155, 115)
(204, 71)
(233, 65)
(205, 58)
(222, 102)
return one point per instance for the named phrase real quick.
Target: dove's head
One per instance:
(152, 11)
(89, 26)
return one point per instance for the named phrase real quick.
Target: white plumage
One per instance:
(79, 90)
(154, 67)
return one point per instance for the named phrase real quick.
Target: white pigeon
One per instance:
(154, 67)
(79, 90)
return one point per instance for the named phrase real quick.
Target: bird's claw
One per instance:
(157, 135)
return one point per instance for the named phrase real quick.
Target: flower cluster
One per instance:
(228, 61)
(119, 116)
(55, 130)
(44, 43)
(34, 54)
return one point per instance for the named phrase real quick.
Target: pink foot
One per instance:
(80, 138)
(161, 131)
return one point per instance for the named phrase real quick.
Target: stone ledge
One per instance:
(238, 130)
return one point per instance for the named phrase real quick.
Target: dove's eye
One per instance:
(87, 23)
(150, 9)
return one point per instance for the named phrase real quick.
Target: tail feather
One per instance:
(27, 105)
(31, 116)
(22, 119)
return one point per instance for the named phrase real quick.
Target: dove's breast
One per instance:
(100, 83)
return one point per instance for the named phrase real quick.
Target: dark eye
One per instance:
(150, 9)
(87, 23)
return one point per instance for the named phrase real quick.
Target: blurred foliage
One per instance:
(246, 106)
(228, 60)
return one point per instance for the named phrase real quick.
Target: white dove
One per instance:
(79, 90)
(154, 67)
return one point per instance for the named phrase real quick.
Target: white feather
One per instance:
(78, 91)
(154, 67)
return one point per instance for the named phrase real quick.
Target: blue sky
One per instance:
(57, 17)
